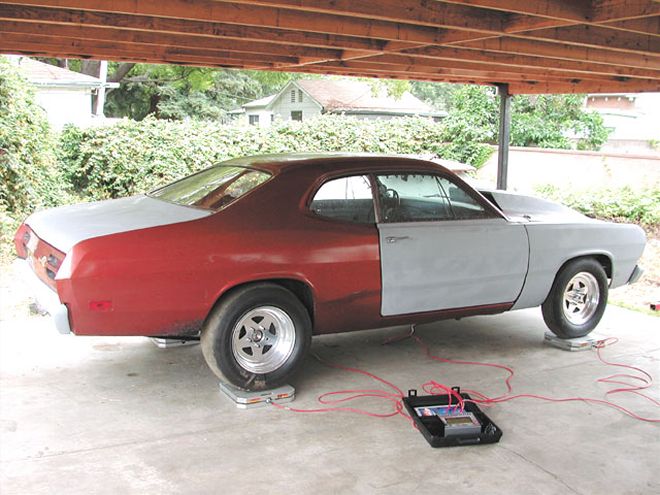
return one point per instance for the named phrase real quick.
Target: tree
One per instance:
(546, 121)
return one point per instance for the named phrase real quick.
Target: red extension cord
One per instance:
(625, 383)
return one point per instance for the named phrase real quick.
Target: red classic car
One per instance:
(260, 253)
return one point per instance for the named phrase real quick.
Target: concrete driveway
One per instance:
(118, 415)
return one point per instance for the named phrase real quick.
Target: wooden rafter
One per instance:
(535, 45)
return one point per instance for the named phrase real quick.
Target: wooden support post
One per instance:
(503, 136)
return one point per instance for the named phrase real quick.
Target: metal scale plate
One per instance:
(245, 399)
(578, 344)
(163, 343)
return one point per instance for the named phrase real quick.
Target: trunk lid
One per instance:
(66, 226)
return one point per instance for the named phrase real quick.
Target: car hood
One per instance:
(520, 207)
(66, 226)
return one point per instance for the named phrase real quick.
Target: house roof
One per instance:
(42, 74)
(359, 96)
(351, 97)
(261, 102)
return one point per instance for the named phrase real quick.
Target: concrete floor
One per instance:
(118, 415)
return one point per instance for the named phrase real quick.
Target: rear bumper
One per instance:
(636, 274)
(47, 299)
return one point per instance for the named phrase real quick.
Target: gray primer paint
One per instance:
(553, 244)
(441, 265)
(65, 226)
(529, 208)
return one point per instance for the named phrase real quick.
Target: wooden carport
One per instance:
(530, 46)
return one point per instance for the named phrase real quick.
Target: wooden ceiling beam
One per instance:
(444, 55)
(401, 76)
(538, 72)
(455, 70)
(609, 10)
(47, 15)
(167, 39)
(596, 37)
(105, 48)
(582, 87)
(566, 52)
(529, 86)
(579, 11)
(491, 57)
(646, 25)
(253, 15)
(57, 51)
(414, 12)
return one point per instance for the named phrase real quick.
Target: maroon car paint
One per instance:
(165, 280)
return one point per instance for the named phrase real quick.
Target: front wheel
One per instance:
(577, 300)
(257, 337)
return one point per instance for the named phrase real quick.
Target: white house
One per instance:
(65, 95)
(632, 119)
(306, 99)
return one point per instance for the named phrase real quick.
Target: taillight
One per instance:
(21, 240)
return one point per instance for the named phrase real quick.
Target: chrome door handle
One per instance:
(393, 239)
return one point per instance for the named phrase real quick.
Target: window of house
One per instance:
(253, 119)
(348, 199)
(296, 115)
(293, 96)
(425, 198)
(300, 96)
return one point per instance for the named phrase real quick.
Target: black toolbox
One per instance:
(433, 427)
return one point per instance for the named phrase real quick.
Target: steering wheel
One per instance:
(391, 194)
(391, 206)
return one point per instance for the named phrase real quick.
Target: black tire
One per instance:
(566, 319)
(224, 348)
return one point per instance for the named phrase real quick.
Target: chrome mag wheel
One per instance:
(263, 339)
(581, 298)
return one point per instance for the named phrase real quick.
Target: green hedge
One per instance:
(28, 172)
(623, 204)
(131, 157)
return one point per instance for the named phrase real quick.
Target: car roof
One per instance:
(277, 163)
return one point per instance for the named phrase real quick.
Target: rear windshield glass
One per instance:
(213, 188)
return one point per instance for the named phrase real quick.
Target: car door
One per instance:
(442, 247)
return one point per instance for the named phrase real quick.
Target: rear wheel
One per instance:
(577, 300)
(257, 337)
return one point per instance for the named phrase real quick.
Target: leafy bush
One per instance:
(28, 173)
(8, 227)
(622, 205)
(544, 121)
(549, 121)
(131, 156)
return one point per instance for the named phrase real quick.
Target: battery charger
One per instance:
(443, 422)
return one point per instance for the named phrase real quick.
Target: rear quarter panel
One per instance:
(165, 280)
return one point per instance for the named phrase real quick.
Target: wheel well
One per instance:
(299, 289)
(605, 262)
(603, 259)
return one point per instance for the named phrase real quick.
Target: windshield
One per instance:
(213, 188)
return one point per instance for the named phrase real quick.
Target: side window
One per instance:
(424, 198)
(348, 199)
